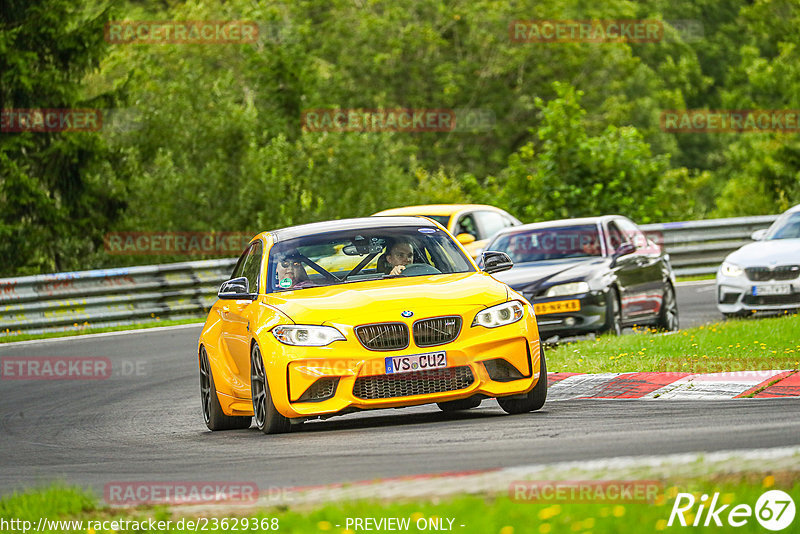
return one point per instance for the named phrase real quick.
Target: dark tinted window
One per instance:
(549, 243)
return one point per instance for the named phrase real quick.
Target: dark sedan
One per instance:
(591, 275)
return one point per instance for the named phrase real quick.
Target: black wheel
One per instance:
(461, 404)
(534, 399)
(613, 313)
(213, 415)
(668, 316)
(268, 419)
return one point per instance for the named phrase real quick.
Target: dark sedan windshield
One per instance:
(787, 227)
(360, 255)
(549, 243)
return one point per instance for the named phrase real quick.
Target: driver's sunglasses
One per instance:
(289, 263)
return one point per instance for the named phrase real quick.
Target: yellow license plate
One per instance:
(561, 306)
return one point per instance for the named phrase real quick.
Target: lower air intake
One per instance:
(413, 383)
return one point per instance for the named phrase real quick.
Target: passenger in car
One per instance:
(290, 271)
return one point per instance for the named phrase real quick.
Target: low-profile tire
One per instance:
(534, 399)
(668, 316)
(613, 324)
(461, 404)
(267, 418)
(213, 415)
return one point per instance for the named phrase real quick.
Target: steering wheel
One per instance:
(414, 269)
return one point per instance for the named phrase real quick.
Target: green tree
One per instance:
(569, 173)
(56, 202)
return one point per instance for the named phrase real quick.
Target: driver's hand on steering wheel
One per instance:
(397, 270)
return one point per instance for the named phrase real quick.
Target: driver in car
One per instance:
(397, 257)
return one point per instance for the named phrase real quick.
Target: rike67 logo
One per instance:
(774, 510)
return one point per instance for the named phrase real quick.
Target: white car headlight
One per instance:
(306, 335)
(730, 269)
(573, 288)
(502, 314)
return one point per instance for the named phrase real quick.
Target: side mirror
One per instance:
(759, 235)
(465, 238)
(495, 262)
(235, 289)
(623, 250)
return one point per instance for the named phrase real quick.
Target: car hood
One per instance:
(551, 271)
(767, 253)
(384, 300)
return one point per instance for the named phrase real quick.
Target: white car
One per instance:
(764, 275)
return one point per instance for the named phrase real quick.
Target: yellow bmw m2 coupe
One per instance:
(405, 317)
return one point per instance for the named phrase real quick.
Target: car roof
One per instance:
(361, 223)
(560, 222)
(435, 209)
(793, 209)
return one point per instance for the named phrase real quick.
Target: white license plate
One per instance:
(780, 289)
(416, 362)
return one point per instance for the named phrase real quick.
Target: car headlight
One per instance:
(306, 335)
(573, 288)
(502, 314)
(730, 269)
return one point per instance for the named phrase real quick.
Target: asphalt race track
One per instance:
(147, 426)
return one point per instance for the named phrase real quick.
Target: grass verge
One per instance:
(8, 337)
(736, 345)
(484, 514)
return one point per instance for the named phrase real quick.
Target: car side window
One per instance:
(632, 233)
(466, 225)
(239, 269)
(252, 266)
(491, 222)
(616, 237)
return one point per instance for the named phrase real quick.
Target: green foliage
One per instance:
(574, 174)
(58, 191)
(209, 137)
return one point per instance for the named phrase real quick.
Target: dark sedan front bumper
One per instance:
(591, 317)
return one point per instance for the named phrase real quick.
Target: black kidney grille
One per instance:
(383, 336)
(781, 272)
(413, 383)
(436, 331)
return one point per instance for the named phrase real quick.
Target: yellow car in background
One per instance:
(472, 224)
(289, 340)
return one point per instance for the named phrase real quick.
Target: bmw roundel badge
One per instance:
(407, 313)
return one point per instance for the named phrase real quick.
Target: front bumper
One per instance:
(590, 318)
(735, 295)
(292, 371)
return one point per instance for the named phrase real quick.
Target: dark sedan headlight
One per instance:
(573, 288)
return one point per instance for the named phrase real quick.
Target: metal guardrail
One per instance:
(109, 297)
(698, 247)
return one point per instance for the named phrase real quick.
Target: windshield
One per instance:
(549, 243)
(360, 255)
(786, 227)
